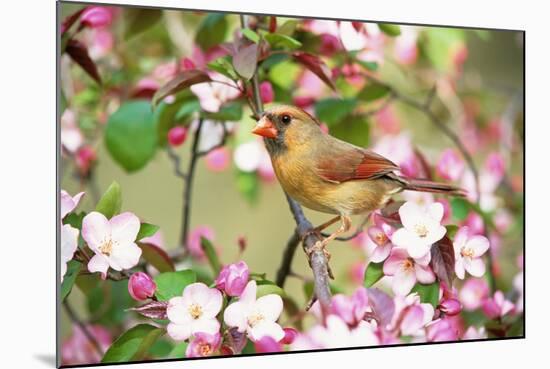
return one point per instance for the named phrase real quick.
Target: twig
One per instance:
(176, 160)
(317, 258)
(76, 320)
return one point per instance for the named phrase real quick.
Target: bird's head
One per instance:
(286, 126)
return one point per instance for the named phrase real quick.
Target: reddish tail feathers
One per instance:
(424, 185)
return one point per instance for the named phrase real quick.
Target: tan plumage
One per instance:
(328, 175)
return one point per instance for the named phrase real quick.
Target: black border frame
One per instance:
(58, 183)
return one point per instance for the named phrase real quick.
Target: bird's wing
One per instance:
(347, 163)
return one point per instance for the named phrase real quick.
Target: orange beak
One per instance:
(265, 128)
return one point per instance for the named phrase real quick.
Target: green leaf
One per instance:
(460, 208)
(146, 230)
(73, 267)
(138, 20)
(111, 201)
(229, 112)
(373, 92)
(130, 135)
(428, 293)
(373, 273)
(439, 44)
(390, 29)
(74, 219)
(157, 257)
(187, 109)
(278, 40)
(288, 27)
(251, 35)
(223, 66)
(211, 255)
(212, 30)
(133, 344)
(171, 284)
(178, 351)
(353, 129)
(333, 110)
(269, 288)
(248, 185)
(370, 65)
(451, 230)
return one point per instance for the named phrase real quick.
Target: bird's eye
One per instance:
(286, 119)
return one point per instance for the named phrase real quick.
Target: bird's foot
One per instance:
(319, 246)
(312, 232)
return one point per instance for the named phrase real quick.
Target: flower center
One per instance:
(421, 230)
(106, 248)
(195, 311)
(381, 238)
(254, 319)
(467, 252)
(408, 264)
(205, 349)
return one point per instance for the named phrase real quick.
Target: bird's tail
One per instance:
(424, 185)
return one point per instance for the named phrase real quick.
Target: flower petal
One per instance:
(98, 263)
(475, 267)
(413, 320)
(125, 256)
(69, 242)
(177, 311)
(248, 296)
(410, 213)
(206, 325)
(270, 306)
(235, 316)
(478, 244)
(124, 228)
(381, 253)
(403, 282)
(424, 274)
(179, 332)
(394, 261)
(459, 268)
(266, 328)
(95, 228)
(435, 211)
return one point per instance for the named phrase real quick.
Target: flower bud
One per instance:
(85, 157)
(96, 16)
(233, 278)
(177, 135)
(266, 92)
(290, 336)
(141, 286)
(450, 306)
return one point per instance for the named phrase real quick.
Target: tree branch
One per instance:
(317, 258)
(76, 320)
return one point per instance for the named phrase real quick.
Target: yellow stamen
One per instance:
(195, 311)
(421, 230)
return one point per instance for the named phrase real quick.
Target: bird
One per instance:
(328, 175)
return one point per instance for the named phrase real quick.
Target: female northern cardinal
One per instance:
(328, 175)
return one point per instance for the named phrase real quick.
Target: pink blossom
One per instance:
(95, 17)
(194, 240)
(177, 135)
(518, 287)
(399, 149)
(380, 234)
(388, 120)
(450, 306)
(212, 133)
(76, 349)
(266, 92)
(218, 159)
(351, 38)
(290, 336)
(468, 251)
(309, 87)
(212, 95)
(497, 306)
(495, 167)
(267, 344)
(474, 222)
(337, 333)
(233, 278)
(145, 88)
(257, 317)
(473, 333)
(329, 44)
(352, 309)
(447, 210)
(156, 239)
(410, 315)
(100, 42)
(112, 241)
(69, 203)
(450, 165)
(405, 49)
(71, 136)
(441, 330)
(194, 312)
(421, 228)
(141, 286)
(203, 344)
(406, 271)
(357, 271)
(473, 292)
(247, 156)
(265, 168)
(85, 158)
(69, 244)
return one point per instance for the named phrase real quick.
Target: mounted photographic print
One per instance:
(242, 184)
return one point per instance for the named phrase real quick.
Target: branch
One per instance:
(317, 258)
(76, 320)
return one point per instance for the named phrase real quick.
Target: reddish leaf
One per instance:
(79, 54)
(69, 21)
(272, 24)
(316, 65)
(153, 310)
(390, 213)
(443, 260)
(183, 80)
(157, 257)
(382, 306)
(245, 60)
(235, 340)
